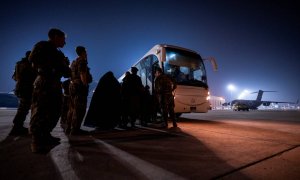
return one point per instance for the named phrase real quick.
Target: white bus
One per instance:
(187, 67)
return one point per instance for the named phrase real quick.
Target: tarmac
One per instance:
(220, 144)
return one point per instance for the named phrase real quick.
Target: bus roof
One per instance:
(155, 50)
(159, 46)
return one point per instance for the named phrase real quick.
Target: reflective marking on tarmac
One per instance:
(153, 129)
(147, 169)
(60, 158)
(79, 156)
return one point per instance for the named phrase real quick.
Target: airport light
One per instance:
(231, 88)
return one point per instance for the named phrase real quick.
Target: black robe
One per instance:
(105, 107)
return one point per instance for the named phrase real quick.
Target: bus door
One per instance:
(154, 67)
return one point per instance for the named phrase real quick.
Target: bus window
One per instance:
(187, 68)
(145, 71)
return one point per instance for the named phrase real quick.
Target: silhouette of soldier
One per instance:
(79, 89)
(106, 98)
(164, 87)
(24, 76)
(51, 65)
(135, 92)
(125, 91)
(147, 109)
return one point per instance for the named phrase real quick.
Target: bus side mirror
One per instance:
(213, 63)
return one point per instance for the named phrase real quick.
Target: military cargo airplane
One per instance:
(253, 104)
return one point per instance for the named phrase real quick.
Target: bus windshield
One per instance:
(185, 67)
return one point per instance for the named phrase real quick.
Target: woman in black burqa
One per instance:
(105, 109)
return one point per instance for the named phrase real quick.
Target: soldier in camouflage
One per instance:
(164, 87)
(79, 88)
(24, 76)
(66, 103)
(51, 65)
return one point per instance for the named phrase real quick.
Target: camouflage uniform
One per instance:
(66, 103)
(164, 87)
(78, 94)
(24, 76)
(51, 65)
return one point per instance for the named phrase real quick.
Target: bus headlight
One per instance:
(208, 96)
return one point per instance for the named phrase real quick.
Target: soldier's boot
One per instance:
(37, 146)
(78, 131)
(50, 140)
(20, 118)
(18, 130)
(174, 123)
(165, 120)
(166, 125)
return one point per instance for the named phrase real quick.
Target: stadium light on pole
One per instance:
(231, 88)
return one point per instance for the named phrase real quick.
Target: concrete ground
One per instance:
(216, 145)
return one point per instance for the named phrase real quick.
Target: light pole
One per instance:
(231, 88)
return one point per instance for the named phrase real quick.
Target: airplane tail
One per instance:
(260, 94)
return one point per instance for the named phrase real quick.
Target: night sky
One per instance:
(255, 42)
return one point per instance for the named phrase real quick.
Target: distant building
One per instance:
(216, 102)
